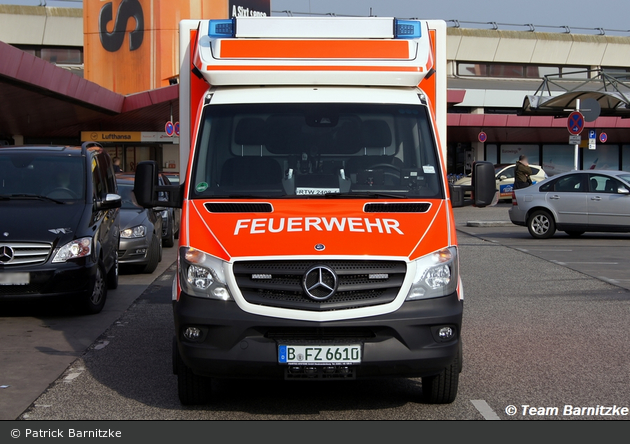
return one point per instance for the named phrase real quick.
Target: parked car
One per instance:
(171, 216)
(504, 175)
(172, 177)
(140, 231)
(59, 219)
(574, 202)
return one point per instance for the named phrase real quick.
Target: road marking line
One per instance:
(71, 376)
(596, 263)
(101, 346)
(544, 249)
(485, 410)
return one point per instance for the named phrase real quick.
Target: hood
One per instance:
(130, 218)
(326, 227)
(39, 221)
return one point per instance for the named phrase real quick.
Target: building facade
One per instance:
(490, 73)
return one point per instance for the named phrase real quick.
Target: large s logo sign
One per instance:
(112, 41)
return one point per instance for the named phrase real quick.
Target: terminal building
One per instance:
(61, 83)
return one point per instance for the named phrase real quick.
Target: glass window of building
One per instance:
(625, 158)
(557, 159)
(491, 153)
(604, 157)
(509, 153)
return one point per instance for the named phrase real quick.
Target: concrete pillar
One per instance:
(478, 151)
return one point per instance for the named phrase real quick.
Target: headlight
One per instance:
(130, 233)
(72, 250)
(436, 275)
(202, 275)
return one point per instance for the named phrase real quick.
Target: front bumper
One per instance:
(234, 343)
(134, 251)
(69, 279)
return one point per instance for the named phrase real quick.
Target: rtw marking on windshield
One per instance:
(297, 224)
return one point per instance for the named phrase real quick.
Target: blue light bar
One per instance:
(407, 29)
(222, 28)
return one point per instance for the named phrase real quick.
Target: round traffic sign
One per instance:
(575, 123)
(482, 137)
(603, 137)
(169, 128)
(177, 128)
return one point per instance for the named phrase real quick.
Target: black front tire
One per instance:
(154, 255)
(541, 224)
(112, 276)
(94, 301)
(169, 241)
(442, 388)
(192, 389)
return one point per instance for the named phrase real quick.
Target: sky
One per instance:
(607, 14)
(545, 15)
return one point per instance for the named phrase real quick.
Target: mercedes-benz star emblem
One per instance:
(6, 254)
(320, 282)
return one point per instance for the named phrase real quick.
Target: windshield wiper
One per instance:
(32, 196)
(362, 195)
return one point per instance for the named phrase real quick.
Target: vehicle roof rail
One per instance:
(88, 144)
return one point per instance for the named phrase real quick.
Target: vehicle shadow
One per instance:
(132, 362)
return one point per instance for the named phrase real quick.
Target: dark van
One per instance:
(59, 229)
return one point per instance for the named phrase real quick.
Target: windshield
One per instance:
(625, 177)
(128, 197)
(39, 174)
(315, 150)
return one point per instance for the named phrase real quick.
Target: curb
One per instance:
(489, 223)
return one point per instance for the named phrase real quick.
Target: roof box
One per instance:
(313, 51)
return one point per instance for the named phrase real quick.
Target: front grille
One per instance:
(280, 283)
(229, 207)
(320, 334)
(24, 253)
(21, 290)
(417, 207)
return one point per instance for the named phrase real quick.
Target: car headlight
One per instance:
(436, 275)
(130, 233)
(202, 275)
(72, 250)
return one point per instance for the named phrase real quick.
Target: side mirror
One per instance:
(502, 177)
(623, 190)
(484, 184)
(145, 182)
(457, 195)
(111, 201)
(149, 193)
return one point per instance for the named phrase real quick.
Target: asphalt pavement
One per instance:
(39, 340)
(536, 333)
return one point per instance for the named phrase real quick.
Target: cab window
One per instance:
(573, 183)
(604, 184)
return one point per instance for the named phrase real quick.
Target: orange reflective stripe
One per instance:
(315, 49)
(312, 68)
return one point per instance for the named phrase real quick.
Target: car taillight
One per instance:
(514, 198)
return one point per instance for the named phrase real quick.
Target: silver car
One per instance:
(574, 202)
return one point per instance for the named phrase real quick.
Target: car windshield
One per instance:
(624, 177)
(61, 178)
(128, 197)
(316, 150)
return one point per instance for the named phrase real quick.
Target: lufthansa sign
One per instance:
(127, 136)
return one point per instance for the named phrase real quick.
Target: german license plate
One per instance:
(14, 279)
(319, 354)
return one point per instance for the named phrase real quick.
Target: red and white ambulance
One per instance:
(317, 233)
